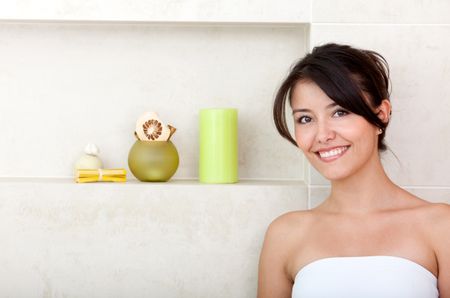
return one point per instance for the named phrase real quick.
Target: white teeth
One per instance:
(334, 152)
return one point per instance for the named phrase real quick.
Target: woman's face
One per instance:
(336, 142)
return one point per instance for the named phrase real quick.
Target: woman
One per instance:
(369, 238)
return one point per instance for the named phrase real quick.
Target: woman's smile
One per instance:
(332, 153)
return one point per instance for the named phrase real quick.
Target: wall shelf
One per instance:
(165, 23)
(98, 78)
(277, 192)
(171, 182)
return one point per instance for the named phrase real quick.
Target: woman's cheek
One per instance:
(303, 138)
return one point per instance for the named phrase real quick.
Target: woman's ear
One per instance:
(384, 110)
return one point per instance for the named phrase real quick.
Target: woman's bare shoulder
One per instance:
(422, 209)
(438, 227)
(435, 213)
(290, 225)
(435, 219)
(439, 214)
(292, 219)
(274, 279)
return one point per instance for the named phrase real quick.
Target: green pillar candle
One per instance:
(218, 161)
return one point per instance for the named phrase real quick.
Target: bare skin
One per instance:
(366, 214)
(416, 232)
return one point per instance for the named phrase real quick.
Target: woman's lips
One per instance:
(331, 154)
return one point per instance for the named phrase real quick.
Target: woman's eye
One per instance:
(340, 113)
(304, 119)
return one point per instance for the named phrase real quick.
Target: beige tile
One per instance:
(431, 194)
(316, 178)
(382, 11)
(141, 239)
(318, 194)
(420, 68)
(160, 10)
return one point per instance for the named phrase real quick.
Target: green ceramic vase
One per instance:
(153, 161)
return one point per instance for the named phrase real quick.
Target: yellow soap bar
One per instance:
(103, 175)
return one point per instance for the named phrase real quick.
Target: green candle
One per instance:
(218, 161)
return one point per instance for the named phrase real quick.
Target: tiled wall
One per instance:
(414, 37)
(66, 84)
(136, 240)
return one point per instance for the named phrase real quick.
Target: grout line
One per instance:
(181, 23)
(305, 181)
(431, 187)
(308, 39)
(380, 24)
(309, 198)
(308, 170)
(298, 182)
(307, 32)
(426, 187)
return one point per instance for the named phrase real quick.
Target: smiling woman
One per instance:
(330, 135)
(369, 238)
(357, 80)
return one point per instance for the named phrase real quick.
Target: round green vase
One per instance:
(155, 161)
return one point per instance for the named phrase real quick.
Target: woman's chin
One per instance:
(332, 174)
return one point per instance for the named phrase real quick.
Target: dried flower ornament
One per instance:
(150, 128)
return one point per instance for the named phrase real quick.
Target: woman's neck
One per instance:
(368, 190)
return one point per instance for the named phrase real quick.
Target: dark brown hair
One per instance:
(357, 80)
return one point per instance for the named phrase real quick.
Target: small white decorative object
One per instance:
(91, 149)
(90, 159)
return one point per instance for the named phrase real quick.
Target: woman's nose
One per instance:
(325, 133)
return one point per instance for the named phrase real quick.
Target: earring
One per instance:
(380, 131)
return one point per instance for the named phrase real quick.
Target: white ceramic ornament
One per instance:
(89, 160)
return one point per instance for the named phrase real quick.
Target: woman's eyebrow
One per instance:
(300, 110)
(331, 105)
